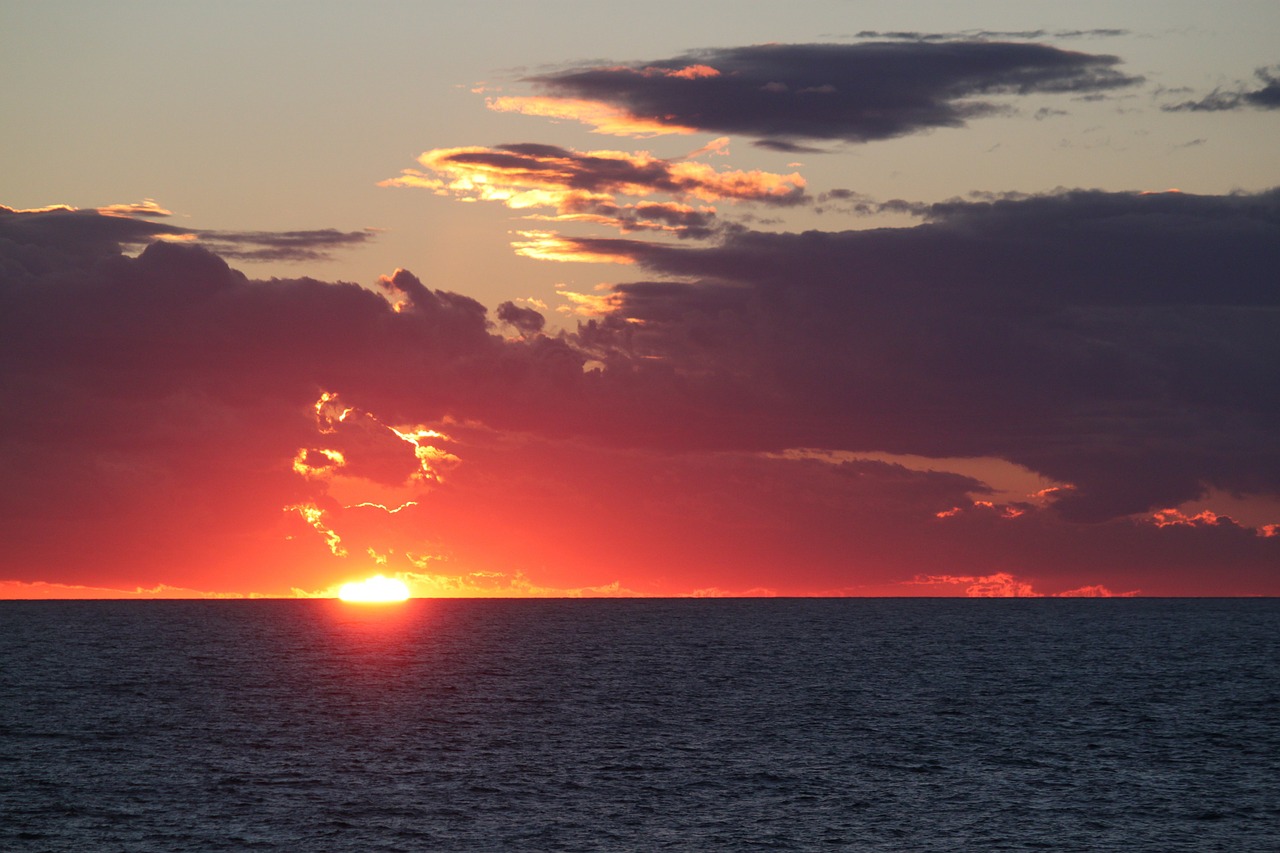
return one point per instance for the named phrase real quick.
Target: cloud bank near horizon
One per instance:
(817, 412)
(228, 429)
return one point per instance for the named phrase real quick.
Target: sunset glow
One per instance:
(790, 303)
(541, 426)
(375, 590)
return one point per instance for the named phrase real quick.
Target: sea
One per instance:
(641, 725)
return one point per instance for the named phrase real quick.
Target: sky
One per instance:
(572, 299)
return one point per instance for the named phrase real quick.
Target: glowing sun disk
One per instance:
(377, 589)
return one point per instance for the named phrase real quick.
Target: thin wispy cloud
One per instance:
(112, 227)
(1265, 97)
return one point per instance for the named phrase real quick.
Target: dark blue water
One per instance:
(867, 725)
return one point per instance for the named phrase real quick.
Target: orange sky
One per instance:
(715, 354)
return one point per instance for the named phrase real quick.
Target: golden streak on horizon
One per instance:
(378, 589)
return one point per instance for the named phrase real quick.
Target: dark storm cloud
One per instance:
(1126, 343)
(1265, 98)
(858, 92)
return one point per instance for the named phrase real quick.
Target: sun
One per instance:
(375, 590)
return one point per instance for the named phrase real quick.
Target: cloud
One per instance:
(525, 320)
(155, 406)
(584, 186)
(146, 207)
(603, 118)
(44, 591)
(1007, 585)
(107, 230)
(1266, 97)
(314, 245)
(967, 35)
(1095, 591)
(998, 585)
(784, 94)
(169, 420)
(861, 204)
(1125, 343)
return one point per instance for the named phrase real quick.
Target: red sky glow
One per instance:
(846, 315)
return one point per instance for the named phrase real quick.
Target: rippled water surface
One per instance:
(868, 725)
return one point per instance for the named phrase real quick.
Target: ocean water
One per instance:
(864, 725)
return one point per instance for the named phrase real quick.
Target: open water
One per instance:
(863, 725)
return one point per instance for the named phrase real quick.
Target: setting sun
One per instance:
(377, 589)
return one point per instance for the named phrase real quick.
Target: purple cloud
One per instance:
(104, 231)
(786, 93)
(1125, 343)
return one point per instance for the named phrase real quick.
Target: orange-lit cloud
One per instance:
(314, 516)
(329, 412)
(720, 147)
(1005, 511)
(997, 585)
(689, 72)
(378, 475)
(401, 508)
(1007, 585)
(432, 459)
(44, 591)
(146, 207)
(589, 304)
(1095, 591)
(317, 462)
(603, 118)
(586, 185)
(717, 592)
(549, 246)
(1173, 517)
